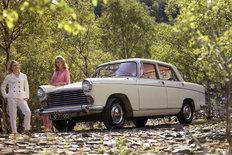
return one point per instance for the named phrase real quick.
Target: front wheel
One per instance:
(114, 114)
(186, 114)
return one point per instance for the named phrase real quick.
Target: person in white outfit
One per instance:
(17, 95)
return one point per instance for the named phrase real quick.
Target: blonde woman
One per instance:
(17, 95)
(61, 74)
(61, 77)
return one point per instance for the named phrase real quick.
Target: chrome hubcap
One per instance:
(116, 113)
(187, 112)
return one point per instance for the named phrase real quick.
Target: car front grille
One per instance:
(74, 97)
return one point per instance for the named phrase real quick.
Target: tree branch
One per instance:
(2, 47)
(18, 3)
(2, 29)
(5, 4)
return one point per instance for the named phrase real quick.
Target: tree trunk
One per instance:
(20, 115)
(228, 113)
(86, 67)
(3, 122)
(5, 118)
(209, 102)
(7, 56)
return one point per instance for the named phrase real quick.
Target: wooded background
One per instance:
(195, 36)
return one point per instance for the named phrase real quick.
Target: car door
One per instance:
(175, 88)
(152, 91)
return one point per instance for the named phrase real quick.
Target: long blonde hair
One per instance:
(64, 63)
(9, 69)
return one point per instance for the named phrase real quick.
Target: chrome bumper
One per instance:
(83, 108)
(204, 106)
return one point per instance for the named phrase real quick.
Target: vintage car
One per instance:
(131, 89)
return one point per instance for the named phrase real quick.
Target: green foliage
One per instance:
(123, 149)
(40, 6)
(209, 23)
(156, 149)
(173, 47)
(121, 142)
(127, 29)
(197, 44)
(82, 50)
(41, 42)
(10, 16)
(199, 38)
(101, 149)
(156, 8)
(209, 26)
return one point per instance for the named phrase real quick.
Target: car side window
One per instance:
(167, 73)
(149, 71)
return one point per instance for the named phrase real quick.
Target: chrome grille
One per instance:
(73, 97)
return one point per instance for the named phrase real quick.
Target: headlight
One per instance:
(40, 92)
(86, 86)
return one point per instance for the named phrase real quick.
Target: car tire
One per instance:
(140, 122)
(185, 116)
(64, 126)
(114, 114)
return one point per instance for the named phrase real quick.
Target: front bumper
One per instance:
(83, 109)
(204, 106)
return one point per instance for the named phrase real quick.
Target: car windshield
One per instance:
(116, 70)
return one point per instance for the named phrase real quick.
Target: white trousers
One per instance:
(12, 105)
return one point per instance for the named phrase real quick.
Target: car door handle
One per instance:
(162, 82)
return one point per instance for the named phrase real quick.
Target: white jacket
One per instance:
(18, 87)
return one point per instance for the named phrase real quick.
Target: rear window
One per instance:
(167, 73)
(149, 71)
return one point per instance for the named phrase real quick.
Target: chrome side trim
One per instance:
(83, 108)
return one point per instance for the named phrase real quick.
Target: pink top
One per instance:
(61, 76)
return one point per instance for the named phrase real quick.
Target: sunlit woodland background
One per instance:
(195, 36)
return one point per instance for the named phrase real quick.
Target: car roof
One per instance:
(137, 60)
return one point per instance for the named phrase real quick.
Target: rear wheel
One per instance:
(114, 114)
(140, 122)
(186, 114)
(64, 125)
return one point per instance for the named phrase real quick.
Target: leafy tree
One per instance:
(36, 43)
(127, 29)
(34, 49)
(83, 49)
(209, 24)
(38, 61)
(10, 34)
(10, 15)
(173, 47)
(156, 8)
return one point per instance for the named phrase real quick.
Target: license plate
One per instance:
(61, 116)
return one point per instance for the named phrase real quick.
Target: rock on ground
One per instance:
(161, 138)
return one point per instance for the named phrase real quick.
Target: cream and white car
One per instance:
(131, 89)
